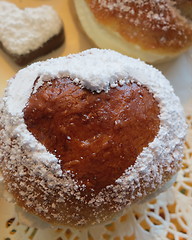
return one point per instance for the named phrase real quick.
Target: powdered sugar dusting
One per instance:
(22, 31)
(96, 70)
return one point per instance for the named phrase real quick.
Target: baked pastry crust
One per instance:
(153, 31)
(92, 134)
(34, 176)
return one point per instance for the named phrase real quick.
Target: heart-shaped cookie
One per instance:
(26, 34)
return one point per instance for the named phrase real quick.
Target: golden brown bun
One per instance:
(150, 30)
(88, 135)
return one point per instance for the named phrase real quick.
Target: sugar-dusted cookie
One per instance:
(26, 34)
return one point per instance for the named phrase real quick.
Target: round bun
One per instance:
(87, 135)
(153, 31)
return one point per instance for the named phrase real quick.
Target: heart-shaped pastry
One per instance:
(91, 133)
(88, 135)
(26, 34)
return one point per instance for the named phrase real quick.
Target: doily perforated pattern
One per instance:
(168, 216)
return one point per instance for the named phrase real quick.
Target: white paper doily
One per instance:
(168, 216)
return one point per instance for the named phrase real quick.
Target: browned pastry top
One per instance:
(150, 24)
(95, 135)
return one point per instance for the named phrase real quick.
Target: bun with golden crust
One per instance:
(153, 31)
(88, 135)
